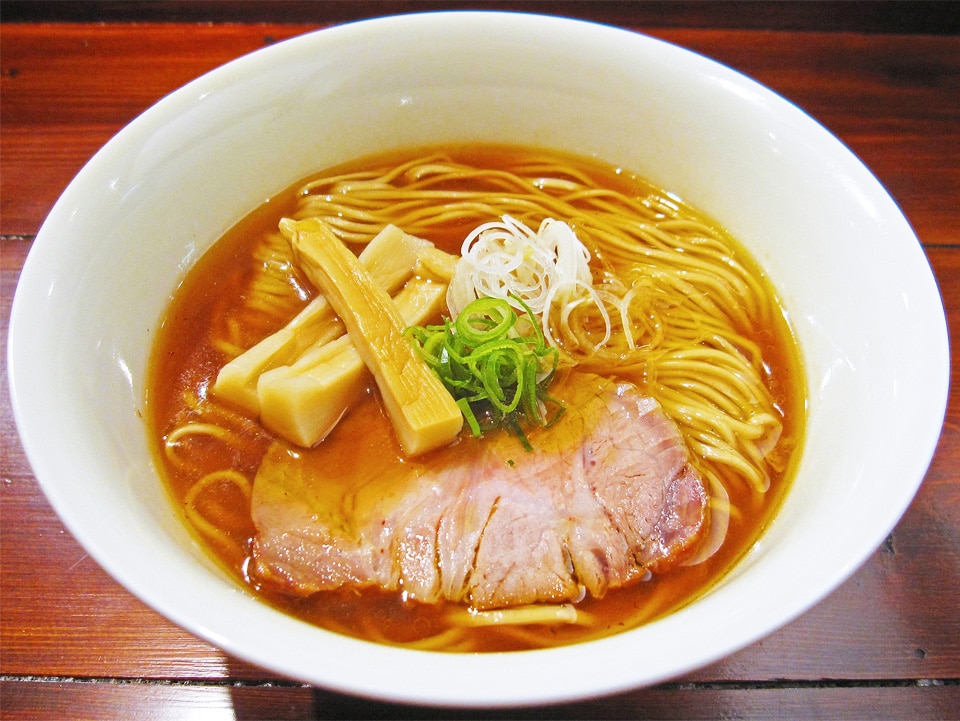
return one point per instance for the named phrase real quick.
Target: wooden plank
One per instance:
(37, 166)
(68, 89)
(48, 78)
(891, 99)
(33, 700)
(37, 699)
(825, 15)
(86, 623)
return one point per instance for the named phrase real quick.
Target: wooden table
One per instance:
(886, 644)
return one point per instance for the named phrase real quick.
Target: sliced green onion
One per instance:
(498, 377)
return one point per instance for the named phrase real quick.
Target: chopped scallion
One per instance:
(498, 376)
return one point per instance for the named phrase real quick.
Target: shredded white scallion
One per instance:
(509, 260)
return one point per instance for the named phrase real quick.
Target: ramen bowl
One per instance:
(848, 268)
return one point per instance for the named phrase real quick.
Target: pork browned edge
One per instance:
(606, 495)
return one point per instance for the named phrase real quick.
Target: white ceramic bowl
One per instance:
(146, 206)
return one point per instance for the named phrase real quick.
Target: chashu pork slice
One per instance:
(606, 496)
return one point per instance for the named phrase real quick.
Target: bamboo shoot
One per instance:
(424, 414)
(389, 257)
(303, 402)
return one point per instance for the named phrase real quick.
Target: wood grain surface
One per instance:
(74, 644)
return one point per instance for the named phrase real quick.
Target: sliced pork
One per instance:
(606, 495)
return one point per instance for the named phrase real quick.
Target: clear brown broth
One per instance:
(185, 361)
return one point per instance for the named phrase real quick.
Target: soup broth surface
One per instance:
(210, 319)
